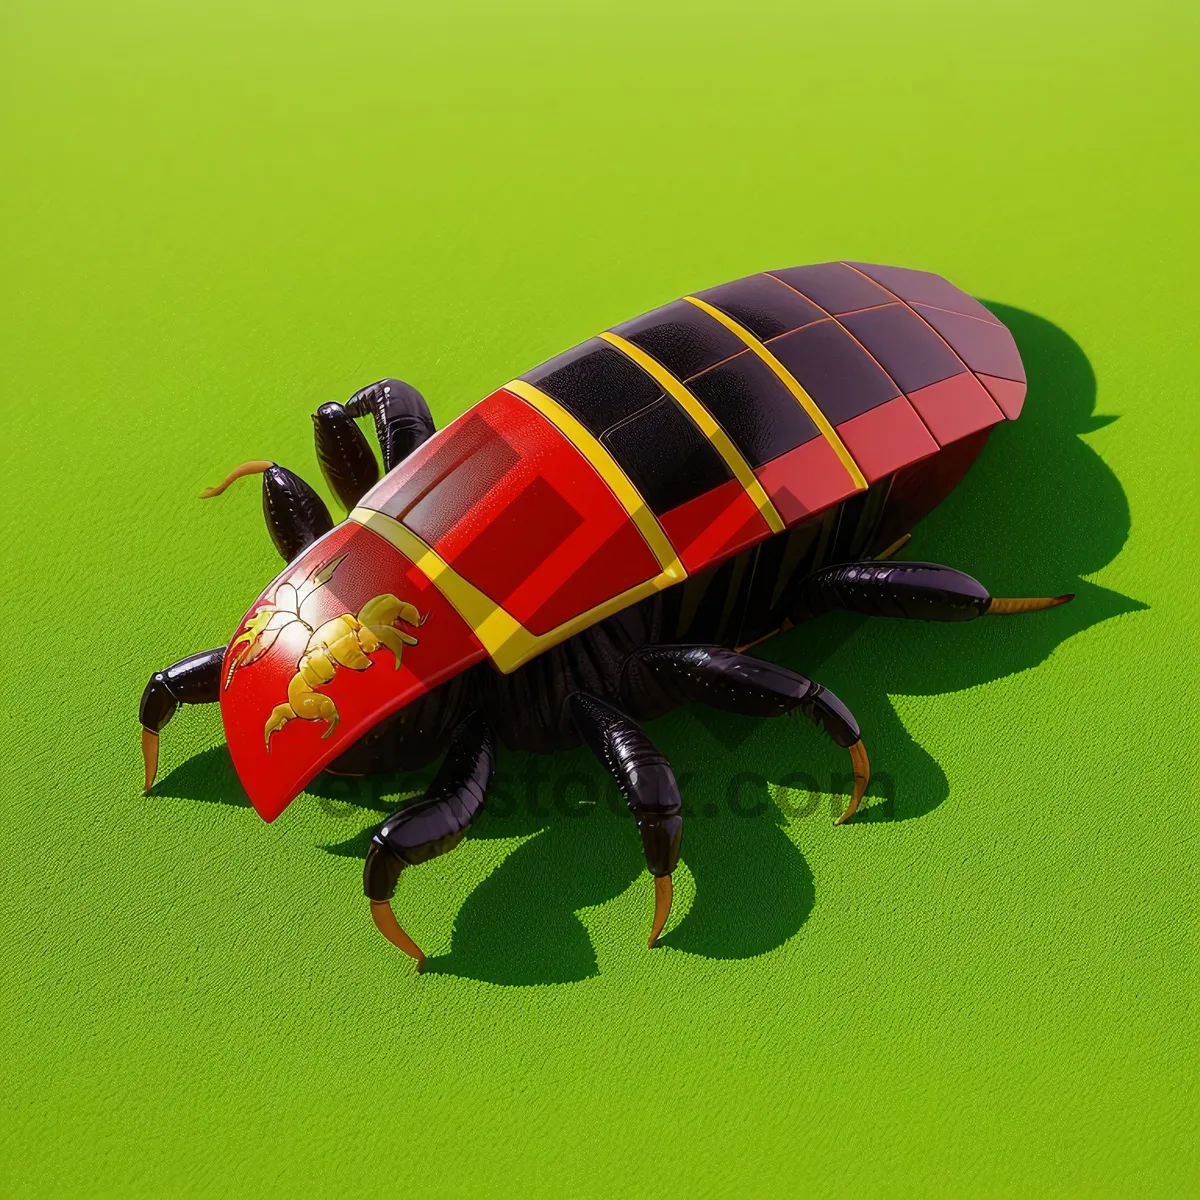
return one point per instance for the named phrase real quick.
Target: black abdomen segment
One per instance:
(875, 368)
(748, 597)
(662, 450)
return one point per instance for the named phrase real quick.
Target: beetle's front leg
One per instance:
(429, 826)
(192, 680)
(648, 785)
(402, 422)
(296, 516)
(402, 418)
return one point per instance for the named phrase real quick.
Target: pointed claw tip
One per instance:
(386, 923)
(862, 777)
(663, 894)
(149, 758)
(1005, 606)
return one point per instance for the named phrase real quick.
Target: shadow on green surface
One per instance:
(1039, 511)
(518, 926)
(208, 777)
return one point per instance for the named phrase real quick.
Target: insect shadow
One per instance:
(1039, 511)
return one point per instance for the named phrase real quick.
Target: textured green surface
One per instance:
(216, 217)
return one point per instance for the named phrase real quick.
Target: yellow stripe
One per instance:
(502, 635)
(508, 643)
(792, 384)
(720, 439)
(608, 470)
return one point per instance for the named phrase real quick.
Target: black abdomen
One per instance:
(749, 597)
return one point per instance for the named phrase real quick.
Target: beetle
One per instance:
(601, 540)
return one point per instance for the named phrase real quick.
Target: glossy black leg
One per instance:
(916, 590)
(192, 680)
(724, 679)
(402, 418)
(345, 455)
(296, 516)
(647, 783)
(430, 825)
(402, 423)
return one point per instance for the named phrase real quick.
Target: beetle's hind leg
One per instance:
(296, 516)
(648, 785)
(722, 678)
(916, 590)
(192, 680)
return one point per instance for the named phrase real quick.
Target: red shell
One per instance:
(274, 772)
(659, 449)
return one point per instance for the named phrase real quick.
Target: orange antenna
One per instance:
(257, 467)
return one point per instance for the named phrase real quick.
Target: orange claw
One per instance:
(663, 893)
(386, 923)
(862, 776)
(1002, 606)
(149, 758)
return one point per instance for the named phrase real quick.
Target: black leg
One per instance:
(917, 590)
(402, 418)
(429, 826)
(296, 516)
(402, 423)
(722, 678)
(647, 783)
(346, 458)
(192, 680)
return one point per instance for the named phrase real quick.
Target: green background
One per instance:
(216, 217)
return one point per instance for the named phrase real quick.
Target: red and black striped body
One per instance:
(669, 480)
